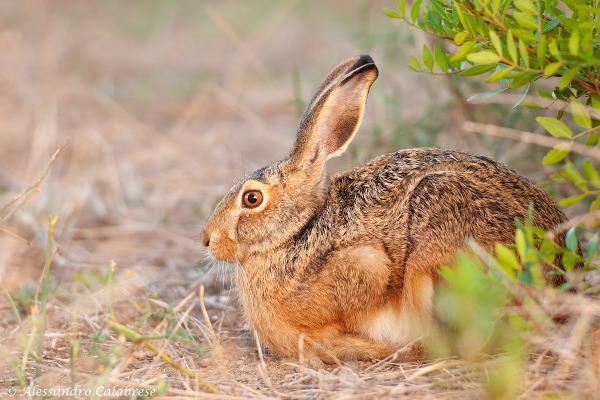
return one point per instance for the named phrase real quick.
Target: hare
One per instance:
(344, 267)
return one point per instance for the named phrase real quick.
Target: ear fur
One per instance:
(334, 113)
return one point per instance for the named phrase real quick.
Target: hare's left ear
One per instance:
(335, 113)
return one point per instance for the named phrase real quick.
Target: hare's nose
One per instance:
(205, 237)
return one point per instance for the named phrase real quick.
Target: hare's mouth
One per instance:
(222, 248)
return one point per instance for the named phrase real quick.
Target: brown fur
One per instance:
(343, 267)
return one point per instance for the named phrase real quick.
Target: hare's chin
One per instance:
(223, 250)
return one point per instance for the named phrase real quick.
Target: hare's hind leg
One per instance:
(353, 347)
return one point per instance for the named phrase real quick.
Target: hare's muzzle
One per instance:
(205, 237)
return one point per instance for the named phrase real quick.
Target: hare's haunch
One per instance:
(344, 267)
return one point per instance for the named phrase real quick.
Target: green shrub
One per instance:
(496, 302)
(519, 45)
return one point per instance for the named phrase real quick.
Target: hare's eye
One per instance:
(252, 198)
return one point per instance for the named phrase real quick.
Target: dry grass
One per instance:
(163, 104)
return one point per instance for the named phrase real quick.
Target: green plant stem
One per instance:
(44, 290)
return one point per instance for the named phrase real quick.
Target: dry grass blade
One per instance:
(123, 383)
(7, 210)
(13, 306)
(16, 236)
(134, 336)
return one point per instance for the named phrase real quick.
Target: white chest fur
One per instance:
(401, 325)
(390, 325)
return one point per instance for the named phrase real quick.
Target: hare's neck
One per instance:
(284, 267)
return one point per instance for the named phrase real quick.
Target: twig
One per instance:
(530, 137)
(511, 99)
(588, 218)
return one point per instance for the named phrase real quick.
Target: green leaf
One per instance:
(496, 42)
(596, 102)
(555, 127)
(580, 114)
(522, 78)
(391, 13)
(507, 260)
(548, 250)
(532, 105)
(440, 58)
(460, 37)
(551, 69)
(485, 95)
(414, 10)
(593, 139)
(427, 58)
(569, 201)
(512, 49)
(592, 247)
(553, 48)
(415, 64)
(526, 278)
(571, 240)
(568, 77)
(524, 35)
(402, 7)
(553, 23)
(571, 173)
(595, 204)
(462, 52)
(477, 70)
(523, 52)
(525, 20)
(591, 173)
(484, 57)
(546, 94)
(521, 97)
(568, 261)
(558, 153)
(499, 74)
(541, 51)
(526, 6)
(574, 43)
(521, 243)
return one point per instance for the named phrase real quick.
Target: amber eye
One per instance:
(252, 198)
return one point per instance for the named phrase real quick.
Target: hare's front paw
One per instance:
(315, 362)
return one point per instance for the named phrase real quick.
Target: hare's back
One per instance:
(420, 186)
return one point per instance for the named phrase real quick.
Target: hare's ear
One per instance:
(335, 112)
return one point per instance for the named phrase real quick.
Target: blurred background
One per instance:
(162, 105)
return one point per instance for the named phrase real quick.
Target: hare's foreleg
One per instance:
(350, 288)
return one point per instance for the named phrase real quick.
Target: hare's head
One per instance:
(271, 205)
